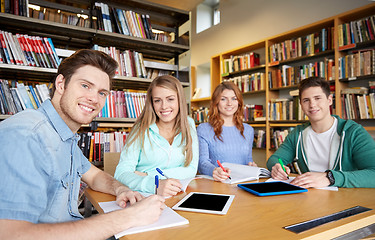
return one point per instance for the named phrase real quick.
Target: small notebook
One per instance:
(242, 173)
(168, 218)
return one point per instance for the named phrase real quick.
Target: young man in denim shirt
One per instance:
(41, 164)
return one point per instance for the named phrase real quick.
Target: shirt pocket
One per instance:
(74, 197)
(59, 192)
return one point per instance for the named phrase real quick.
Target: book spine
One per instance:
(8, 97)
(16, 100)
(20, 99)
(6, 48)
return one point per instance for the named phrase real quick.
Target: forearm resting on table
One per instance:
(82, 229)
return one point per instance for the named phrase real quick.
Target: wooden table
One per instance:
(252, 217)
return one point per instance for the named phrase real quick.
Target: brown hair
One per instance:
(214, 115)
(314, 82)
(148, 116)
(82, 58)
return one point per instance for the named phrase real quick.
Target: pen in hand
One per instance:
(282, 165)
(156, 184)
(218, 162)
(163, 174)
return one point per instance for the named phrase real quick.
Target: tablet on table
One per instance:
(271, 188)
(205, 203)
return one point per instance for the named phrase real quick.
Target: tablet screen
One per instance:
(205, 202)
(271, 188)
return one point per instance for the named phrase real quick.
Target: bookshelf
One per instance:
(322, 58)
(159, 55)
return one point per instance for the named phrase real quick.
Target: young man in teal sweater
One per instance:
(329, 151)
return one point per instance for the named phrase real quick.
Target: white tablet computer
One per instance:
(205, 203)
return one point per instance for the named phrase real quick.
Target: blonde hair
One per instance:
(148, 117)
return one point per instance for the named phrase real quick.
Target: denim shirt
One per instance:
(41, 167)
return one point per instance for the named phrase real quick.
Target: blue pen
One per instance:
(156, 184)
(161, 172)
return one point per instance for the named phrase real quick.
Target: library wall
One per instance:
(243, 22)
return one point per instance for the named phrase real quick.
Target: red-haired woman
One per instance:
(225, 137)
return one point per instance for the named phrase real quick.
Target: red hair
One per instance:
(214, 115)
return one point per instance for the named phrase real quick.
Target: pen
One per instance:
(282, 165)
(156, 184)
(163, 174)
(218, 162)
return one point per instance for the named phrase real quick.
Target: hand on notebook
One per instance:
(220, 175)
(279, 173)
(126, 196)
(145, 212)
(311, 179)
(169, 187)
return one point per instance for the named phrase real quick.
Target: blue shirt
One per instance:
(156, 153)
(234, 148)
(41, 167)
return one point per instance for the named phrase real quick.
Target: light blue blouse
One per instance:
(234, 148)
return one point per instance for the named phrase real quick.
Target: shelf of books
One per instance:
(339, 49)
(146, 39)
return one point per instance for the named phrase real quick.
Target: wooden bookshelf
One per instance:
(157, 54)
(263, 48)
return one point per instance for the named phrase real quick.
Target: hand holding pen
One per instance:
(219, 176)
(282, 165)
(156, 184)
(169, 186)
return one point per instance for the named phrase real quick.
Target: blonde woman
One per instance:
(163, 137)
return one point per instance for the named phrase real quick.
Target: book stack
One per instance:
(124, 104)
(121, 21)
(152, 73)
(14, 99)
(200, 115)
(303, 46)
(358, 103)
(59, 16)
(240, 62)
(21, 49)
(278, 137)
(292, 75)
(130, 63)
(359, 63)
(283, 109)
(163, 37)
(358, 31)
(95, 144)
(16, 7)
(249, 82)
(259, 139)
(252, 111)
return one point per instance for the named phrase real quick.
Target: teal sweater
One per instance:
(157, 153)
(353, 153)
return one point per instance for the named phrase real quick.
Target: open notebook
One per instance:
(168, 218)
(242, 173)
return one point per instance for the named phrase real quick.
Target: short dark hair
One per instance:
(314, 82)
(82, 58)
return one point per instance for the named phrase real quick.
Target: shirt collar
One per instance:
(56, 121)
